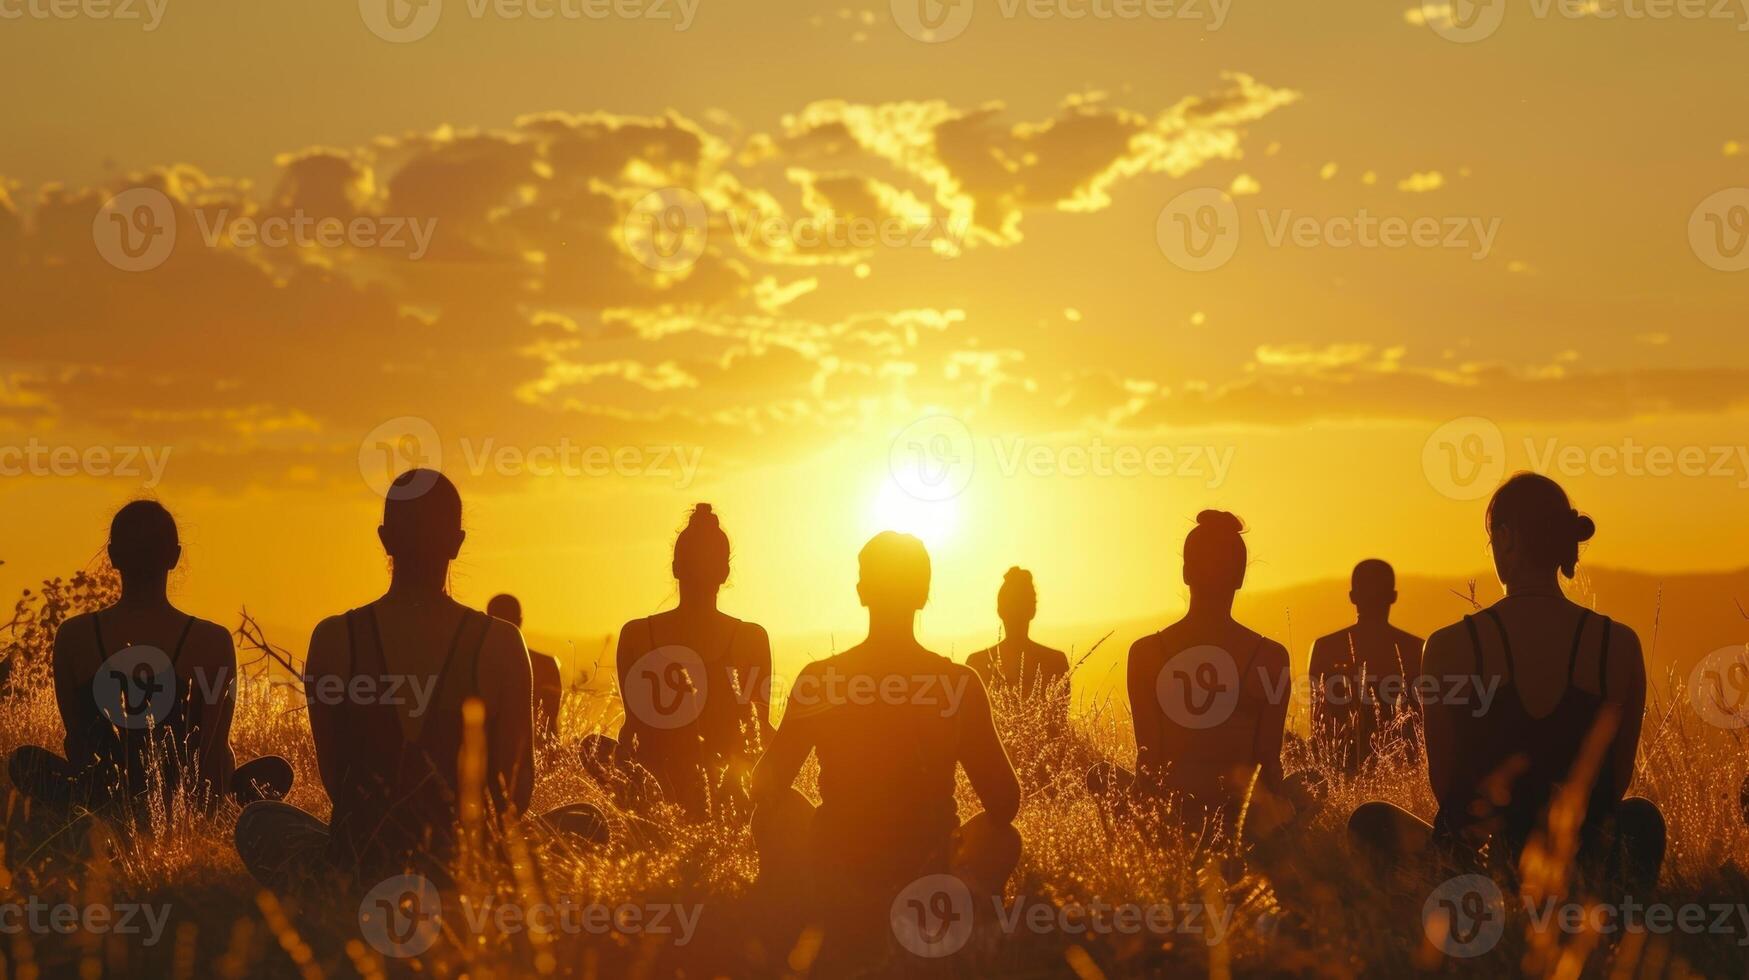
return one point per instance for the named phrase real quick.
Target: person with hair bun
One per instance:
(172, 677)
(1557, 697)
(422, 712)
(696, 686)
(1018, 667)
(1209, 699)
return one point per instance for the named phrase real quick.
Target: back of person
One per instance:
(144, 689)
(1209, 696)
(1364, 677)
(396, 800)
(1548, 663)
(1210, 738)
(1556, 701)
(888, 745)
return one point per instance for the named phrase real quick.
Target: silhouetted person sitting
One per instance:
(389, 686)
(1363, 678)
(889, 721)
(696, 687)
(146, 691)
(1209, 698)
(1568, 688)
(1018, 665)
(549, 684)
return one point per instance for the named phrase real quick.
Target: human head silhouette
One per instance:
(143, 540)
(506, 607)
(701, 550)
(422, 529)
(1373, 587)
(894, 574)
(1017, 600)
(1533, 528)
(1214, 553)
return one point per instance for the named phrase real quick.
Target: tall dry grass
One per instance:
(1307, 908)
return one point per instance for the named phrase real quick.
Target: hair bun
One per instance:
(1583, 527)
(1220, 520)
(702, 516)
(1016, 576)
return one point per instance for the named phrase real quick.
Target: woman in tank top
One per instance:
(1552, 710)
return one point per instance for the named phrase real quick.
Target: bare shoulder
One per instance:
(76, 630)
(1627, 661)
(1269, 654)
(328, 641)
(503, 642)
(1448, 650)
(211, 643)
(1053, 659)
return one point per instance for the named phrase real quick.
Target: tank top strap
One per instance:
(452, 690)
(182, 641)
(1578, 636)
(1603, 658)
(1505, 646)
(1475, 642)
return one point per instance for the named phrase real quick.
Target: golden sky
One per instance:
(1068, 279)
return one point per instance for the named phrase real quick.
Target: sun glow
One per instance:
(932, 520)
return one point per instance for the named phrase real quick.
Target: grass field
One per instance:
(1306, 911)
